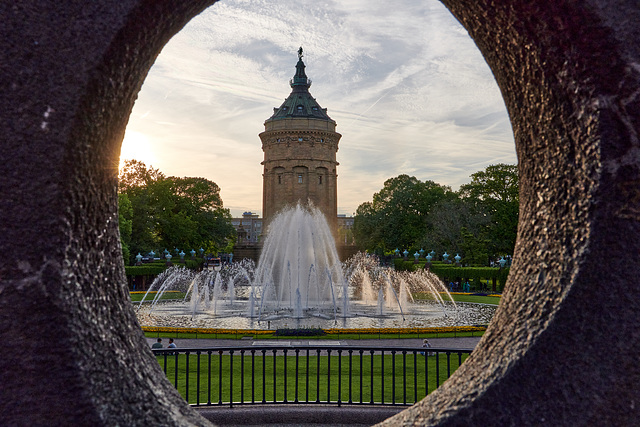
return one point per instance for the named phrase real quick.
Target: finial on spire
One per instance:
(300, 79)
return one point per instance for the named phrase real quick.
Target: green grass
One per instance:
(167, 295)
(321, 387)
(463, 298)
(477, 298)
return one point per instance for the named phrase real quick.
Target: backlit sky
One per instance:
(408, 88)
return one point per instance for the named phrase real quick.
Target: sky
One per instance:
(408, 88)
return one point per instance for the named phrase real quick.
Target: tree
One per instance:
(494, 191)
(366, 230)
(455, 226)
(495, 183)
(199, 193)
(148, 196)
(477, 222)
(135, 175)
(397, 216)
(172, 212)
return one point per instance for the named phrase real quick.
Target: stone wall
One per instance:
(249, 252)
(564, 343)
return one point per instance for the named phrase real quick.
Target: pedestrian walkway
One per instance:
(463, 343)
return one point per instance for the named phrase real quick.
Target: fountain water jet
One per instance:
(299, 258)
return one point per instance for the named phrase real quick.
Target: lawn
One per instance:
(137, 296)
(320, 378)
(477, 299)
(495, 300)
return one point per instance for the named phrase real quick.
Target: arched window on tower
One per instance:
(279, 179)
(299, 178)
(321, 173)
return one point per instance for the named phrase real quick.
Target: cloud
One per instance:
(408, 88)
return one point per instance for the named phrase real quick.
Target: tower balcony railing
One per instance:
(300, 82)
(308, 374)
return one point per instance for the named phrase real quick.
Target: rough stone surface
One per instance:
(563, 346)
(72, 351)
(297, 415)
(562, 349)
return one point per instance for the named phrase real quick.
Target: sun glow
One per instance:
(137, 146)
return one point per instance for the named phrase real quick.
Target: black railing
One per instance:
(313, 374)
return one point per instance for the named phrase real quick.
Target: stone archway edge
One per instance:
(563, 347)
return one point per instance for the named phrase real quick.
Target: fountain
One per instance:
(299, 269)
(300, 279)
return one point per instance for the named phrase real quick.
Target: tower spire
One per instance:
(300, 79)
(300, 103)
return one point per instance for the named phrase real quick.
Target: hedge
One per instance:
(450, 271)
(300, 332)
(144, 270)
(157, 267)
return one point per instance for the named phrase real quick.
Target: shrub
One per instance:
(156, 267)
(144, 270)
(303, 332)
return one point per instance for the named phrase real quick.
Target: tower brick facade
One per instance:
(300, 145)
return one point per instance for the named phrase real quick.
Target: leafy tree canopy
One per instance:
(495, 192)
(397, 217)
(171, 212)
(497, 183)
(478, 222)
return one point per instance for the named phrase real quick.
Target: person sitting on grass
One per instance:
(157, 344)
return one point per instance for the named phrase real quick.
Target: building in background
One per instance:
(345, 231)
(249, 229)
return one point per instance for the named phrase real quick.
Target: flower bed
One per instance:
(316, 331)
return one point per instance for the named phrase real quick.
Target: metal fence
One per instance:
(308, 374)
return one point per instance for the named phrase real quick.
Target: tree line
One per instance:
(158, 212)
(479, 221)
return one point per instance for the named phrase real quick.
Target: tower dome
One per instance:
(300, 103)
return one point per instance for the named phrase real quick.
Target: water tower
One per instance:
(300, 145)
